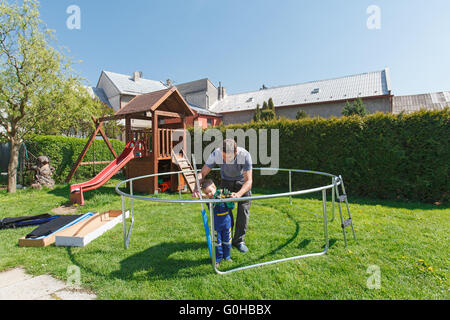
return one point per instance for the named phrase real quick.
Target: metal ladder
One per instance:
(341, 198)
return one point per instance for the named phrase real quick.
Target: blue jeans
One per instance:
(223, 243)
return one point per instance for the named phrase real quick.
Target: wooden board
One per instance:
(37, 243)
(44, 242)
(83, 233)
(183, 163)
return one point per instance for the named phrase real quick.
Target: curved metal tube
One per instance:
(336, 181)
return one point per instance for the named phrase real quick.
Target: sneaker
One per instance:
(242, 247)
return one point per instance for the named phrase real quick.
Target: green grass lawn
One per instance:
(168, 256)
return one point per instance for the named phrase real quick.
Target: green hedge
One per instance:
(63, 152)
(380, 156)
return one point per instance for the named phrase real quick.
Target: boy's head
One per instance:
(208, 188)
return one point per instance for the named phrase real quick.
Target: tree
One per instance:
(268, 111)
(257, 116)
(271, 105)
(301, 114)
(38, 91)
(357, 108)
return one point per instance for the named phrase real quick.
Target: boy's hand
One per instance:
(196, 194)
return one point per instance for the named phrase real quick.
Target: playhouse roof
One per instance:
(169, 100)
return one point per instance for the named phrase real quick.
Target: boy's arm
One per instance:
(202, 175)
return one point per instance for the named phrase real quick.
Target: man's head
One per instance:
(208, 188)
(229, 150)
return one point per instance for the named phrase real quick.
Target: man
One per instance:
(236, 171)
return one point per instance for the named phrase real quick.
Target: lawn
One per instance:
(168, 257)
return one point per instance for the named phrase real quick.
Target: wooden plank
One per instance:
(82, 234)
(120, 117)
(94, 163)
(168, 114)
(44, 242)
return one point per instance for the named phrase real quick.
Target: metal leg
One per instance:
(333, 200)
(342, 217)
(124, 222)
(127, 235)
(290, 186)
(325, 219)
(213, 238)
(348, 208)
(179, 186)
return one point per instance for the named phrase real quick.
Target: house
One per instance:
(429, 101)
(117, 90)
(324, 98)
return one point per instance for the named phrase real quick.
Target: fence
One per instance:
(4, 157)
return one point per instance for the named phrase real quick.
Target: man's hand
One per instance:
(235, 196)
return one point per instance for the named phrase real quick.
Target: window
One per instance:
(315, 91)
(210, 122)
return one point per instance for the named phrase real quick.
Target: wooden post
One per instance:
(128, 133)
(83, 153)
(108, 144)
(184, 136)
(155, 142)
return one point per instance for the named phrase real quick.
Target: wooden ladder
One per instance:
(185, 166)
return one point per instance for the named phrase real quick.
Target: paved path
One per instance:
(15, 284)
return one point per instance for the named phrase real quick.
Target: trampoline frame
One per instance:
(336, 182)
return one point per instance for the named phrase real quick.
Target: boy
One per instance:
(222, 220)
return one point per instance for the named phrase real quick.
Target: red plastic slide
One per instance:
(132, 150)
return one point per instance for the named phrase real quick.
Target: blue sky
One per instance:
(245, 44)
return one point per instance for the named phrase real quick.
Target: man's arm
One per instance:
(247, 186)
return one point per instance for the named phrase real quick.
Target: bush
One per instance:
(63, 152)
(380, 156)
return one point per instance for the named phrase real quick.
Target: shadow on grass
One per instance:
(391, 203)
(273, 252)
(155, 263)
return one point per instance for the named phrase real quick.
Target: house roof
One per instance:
(100, 94)
(429, 101)
(194, 86)
(204, 112)
(126, 85)
(351, 87)
(163, 100)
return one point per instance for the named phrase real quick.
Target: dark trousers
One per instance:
(243, 211)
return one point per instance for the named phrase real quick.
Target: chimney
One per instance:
(222, 92)
(169, 83)
(137, 75)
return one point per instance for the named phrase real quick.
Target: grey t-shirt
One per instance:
(231, 171)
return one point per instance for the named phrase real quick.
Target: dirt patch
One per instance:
(65, 209)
